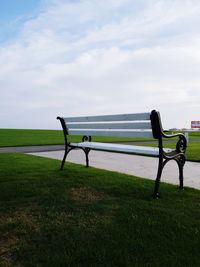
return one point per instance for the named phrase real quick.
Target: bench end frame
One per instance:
(69, 147)
(178, 155)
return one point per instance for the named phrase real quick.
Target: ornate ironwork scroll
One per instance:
(181, 144)
(86, 138)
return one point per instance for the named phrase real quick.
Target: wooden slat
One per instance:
(119, 117)
(119, 148)
(130, 125)
(113, 133)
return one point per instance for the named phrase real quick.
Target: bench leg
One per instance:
(67, 150)
(181, 163)
(63, 161)
(181, 177)
(157, 182)
(87, 150)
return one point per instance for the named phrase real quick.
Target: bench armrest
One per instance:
(181, 144)
(172, 135)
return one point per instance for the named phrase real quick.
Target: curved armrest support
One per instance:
(86, 138)
(172, 135)
(181, 144)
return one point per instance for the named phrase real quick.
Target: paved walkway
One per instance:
(131, 164)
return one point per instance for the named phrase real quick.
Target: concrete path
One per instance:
(131, 164)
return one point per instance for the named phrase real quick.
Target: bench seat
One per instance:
(142, 150)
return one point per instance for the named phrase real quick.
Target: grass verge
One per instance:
(20, 137)
(17, 137)
(89, 217)
(26, 137)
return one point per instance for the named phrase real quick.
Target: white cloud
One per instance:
(94, 57)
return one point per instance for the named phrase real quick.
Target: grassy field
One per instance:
(193, 151)
(20, 137)
(15, 137)
(24, 137)
(89, 217)
(194, 135)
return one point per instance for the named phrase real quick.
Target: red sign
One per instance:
(195, 124)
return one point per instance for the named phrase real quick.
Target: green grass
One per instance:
(25, 137)
(17, 137)
(89, 217)
(194, 135)
(20, 137)
(193, 151)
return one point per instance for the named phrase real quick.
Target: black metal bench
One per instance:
(139, 125)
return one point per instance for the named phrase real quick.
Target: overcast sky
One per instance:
(90, 57)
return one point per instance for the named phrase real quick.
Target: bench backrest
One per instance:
(121, 125)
